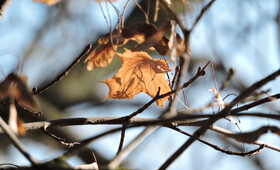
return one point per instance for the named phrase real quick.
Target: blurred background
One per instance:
(40, 41)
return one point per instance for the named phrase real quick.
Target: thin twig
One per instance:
(148, 131)
(156, 10)
(8, 164)
(76, 149)
(256, 103)
(223, 86)
(180, 120)
(122, 138)
(175, 17)
(65, 72)
(222, 113)
(226, 82)
(59, 139)
(202, 12)
(135, 122)
(145, 14)
(250, 153)
(122, 16)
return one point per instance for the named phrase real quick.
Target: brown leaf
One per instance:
(145, 34)
(101, 56)
(162, 46)
(147, 29)
(104, 53)
(139, 73)
(21, 128)
(14, 86)
(152, 37)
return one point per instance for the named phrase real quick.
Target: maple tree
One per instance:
(149, 48)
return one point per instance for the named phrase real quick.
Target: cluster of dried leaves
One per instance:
(139, 72)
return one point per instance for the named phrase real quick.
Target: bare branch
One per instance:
(250, 153)
(256, 103)
(122, 138)
(131, 146)
(202, 12)
(65, 72)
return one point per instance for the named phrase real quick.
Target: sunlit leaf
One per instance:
(14, 86)
(139, 73)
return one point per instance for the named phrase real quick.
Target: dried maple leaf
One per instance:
(14, 86)
(153, 36)
(103, 54)
(139, 73)
(147, 35)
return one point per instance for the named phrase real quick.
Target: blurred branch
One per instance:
(118, 159)
(52, 112)
(256, 103)
(74, 150)
(3, 7)
(180, 120)
(122, 138)
(250, 153)
(135, 122)
(202, 12)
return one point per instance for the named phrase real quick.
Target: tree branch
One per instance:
(202, 12)
(250, 153)
(137, 122)
(65, 72)
(15, 141)
(222, 113)
(114, 164)
(3, 7)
